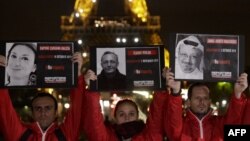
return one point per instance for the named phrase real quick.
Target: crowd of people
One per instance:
(165, 118)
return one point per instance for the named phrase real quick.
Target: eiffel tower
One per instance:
(111, 22)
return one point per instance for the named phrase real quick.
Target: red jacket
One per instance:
(246, 113)
(13, 128)
(190, 128)
(93, 122)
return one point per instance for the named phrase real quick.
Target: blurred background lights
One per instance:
(79, 41)
(81, 10)
(84, 54)
(106, 103)
(136, 39)
(77, 14)
(223, 103)
(124, 40)
(143, 93)
(184, 94)
(60, 96)
(26, 107)
(118, 40)
(66, 105)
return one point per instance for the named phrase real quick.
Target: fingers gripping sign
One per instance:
(240, 85)
(170, 82)
(2, 61)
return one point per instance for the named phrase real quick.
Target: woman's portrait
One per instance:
(20, 64)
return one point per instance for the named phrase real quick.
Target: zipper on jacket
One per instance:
(45, 132)
(201, 128)
(200, 124)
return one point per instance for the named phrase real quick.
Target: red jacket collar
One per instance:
(36, 127)
(192, 116)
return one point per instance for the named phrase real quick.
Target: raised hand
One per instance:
(2, 61)
(77, 58)
(240, 85)
(89, 75)
(170, 82)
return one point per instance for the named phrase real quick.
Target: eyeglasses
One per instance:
(41, 108)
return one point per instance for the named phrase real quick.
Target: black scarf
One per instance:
(129, 129)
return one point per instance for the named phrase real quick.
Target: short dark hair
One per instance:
(44, 94)
(192, 86)
(127, 101)
(109, 52)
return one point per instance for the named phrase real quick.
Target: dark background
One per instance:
(40, 19)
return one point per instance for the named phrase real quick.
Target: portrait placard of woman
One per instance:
(20, 64)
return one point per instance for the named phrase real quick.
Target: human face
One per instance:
(21, 62)
(109, 63)
(126, 113)
(44, 111)
(200, 100)
(189, 58)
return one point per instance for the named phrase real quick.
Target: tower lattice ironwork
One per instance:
(98, 22)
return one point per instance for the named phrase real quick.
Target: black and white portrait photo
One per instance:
(111, 68)
(21, 64)
(189, 62)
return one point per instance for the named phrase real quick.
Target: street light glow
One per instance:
(118, 40)
(79, 41)
(223, 103)
(84, 54)
(124, 40)
(66, 105)
(136, 39)
(77, 14)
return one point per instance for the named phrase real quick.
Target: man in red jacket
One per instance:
(199, 124)
(44, 112)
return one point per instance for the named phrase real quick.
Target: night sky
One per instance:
(40, 19)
